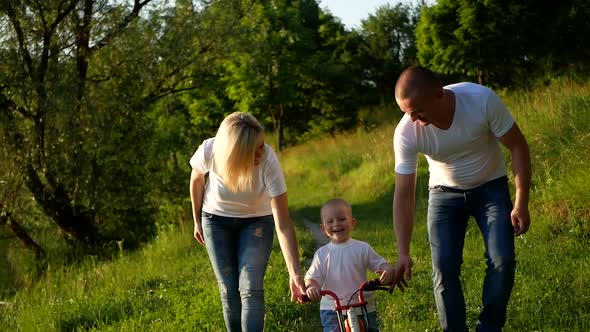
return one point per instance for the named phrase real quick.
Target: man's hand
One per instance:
(403, 272)
(521, 220)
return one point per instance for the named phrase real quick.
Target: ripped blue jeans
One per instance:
(239, 250)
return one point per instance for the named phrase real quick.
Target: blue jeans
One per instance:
(448, 212)
(330, 321)
(239, 250)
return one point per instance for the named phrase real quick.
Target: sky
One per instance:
(351, 12)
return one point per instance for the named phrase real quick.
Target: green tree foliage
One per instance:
(473, 38)
(286, 68)
(500, 41)
(102, 101)
(78, 85)
(195, 39)
(72, 116)
(388, 45)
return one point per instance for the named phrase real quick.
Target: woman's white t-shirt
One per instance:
(467, 154)
(219, 200)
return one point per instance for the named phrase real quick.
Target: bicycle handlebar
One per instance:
(368, 286)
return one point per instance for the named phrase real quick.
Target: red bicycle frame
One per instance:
(353, 317)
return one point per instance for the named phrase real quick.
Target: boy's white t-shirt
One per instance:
(467, 154)
(342, 268)
(219, 200)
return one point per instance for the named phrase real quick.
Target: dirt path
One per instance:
(319, 238)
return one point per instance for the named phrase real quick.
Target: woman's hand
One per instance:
(297, 287)
(199, 233)
(197, 187)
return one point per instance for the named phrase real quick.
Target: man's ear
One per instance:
(353, 223)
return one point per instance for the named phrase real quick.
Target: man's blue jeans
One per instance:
(239, 250)
(448, 212)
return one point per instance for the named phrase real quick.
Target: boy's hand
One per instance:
(313, 293)
(387, 274)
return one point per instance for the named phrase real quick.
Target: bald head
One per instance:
(335, 202)
(416, 81)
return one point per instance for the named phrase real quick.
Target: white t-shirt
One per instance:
(467, 154)
(342, 268)
(219, 200)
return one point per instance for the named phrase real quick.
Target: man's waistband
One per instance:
(503, 178)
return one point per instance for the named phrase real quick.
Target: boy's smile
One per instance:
(337, 223)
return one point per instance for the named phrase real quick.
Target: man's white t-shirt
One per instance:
(468, 153)
(219, 200)
(342, 268)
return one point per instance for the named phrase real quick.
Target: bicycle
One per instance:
(355, 319)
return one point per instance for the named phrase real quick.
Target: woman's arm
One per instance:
(288, 241)
(197, 188)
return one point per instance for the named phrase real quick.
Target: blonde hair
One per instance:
(234, 148)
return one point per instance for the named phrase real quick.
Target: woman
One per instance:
(235, 213)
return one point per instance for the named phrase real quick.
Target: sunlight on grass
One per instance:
(169, 283)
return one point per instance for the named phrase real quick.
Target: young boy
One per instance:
(341, 265)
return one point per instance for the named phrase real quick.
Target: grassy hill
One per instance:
(169, 284)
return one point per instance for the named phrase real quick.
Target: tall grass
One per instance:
(169, 284)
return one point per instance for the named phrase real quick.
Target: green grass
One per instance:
(169, 283)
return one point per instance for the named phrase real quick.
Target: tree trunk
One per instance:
(22, 235)
(280, 129)
(75, 221)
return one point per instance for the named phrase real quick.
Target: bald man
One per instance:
(458, 128)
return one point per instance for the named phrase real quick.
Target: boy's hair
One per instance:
(233, 150)
(333, 202)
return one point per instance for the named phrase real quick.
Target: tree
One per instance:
(500, 41)
(388, 45)
(286, 69)
(79, 83)
(45, 112)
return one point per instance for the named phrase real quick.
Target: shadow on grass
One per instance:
(89, 317)
(381, 208)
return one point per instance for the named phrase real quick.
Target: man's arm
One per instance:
(515, 142)
(404, 200)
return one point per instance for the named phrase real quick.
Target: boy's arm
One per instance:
(379, 265)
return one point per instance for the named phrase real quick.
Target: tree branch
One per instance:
(137, 6)
(21, 233)
(7, 104)
(20, 37)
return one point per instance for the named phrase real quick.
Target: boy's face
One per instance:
(337, 222)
